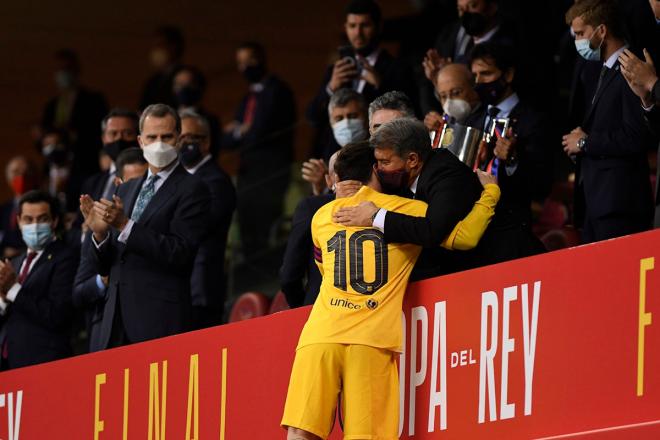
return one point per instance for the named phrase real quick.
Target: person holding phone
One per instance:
(362, 65)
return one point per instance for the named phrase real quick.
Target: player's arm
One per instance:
(467, 232)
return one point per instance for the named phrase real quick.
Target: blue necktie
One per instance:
(146, 194)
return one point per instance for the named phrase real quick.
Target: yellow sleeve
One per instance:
(467, 233)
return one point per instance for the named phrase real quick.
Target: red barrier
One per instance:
(552, 346)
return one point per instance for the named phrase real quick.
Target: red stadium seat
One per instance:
(561, 239)
(278, 303)
(249, 305)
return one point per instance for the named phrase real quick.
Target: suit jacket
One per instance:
(450, 188)
(298, 265)
(87, 296)
(269, 141)
(394, 75)
(37, 323)
(208, 276)
(612, 179)
(150, 273)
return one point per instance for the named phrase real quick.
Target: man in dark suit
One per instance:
(613, 192)
(89, 289)
(35, 288)
(521, 158)
(208, 283)
(408, 166)
(146, 240)
(365, 67)
(262, 130)
(77, 111)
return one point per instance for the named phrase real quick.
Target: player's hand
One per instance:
(361, 215)
(347, 188)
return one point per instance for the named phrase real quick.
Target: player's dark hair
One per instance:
(355, 162)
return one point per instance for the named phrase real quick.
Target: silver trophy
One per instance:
(462, 141)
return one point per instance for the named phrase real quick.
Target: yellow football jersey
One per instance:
(364, 278)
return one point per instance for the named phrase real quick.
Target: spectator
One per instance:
(478, 21)
(77, 112)
(389, 106)
(90, 288)
(613, 193)
(365, 67)
(35, 288)
(189, 87)
(347, 112)
(58, 168)
(454, 88)
(300, 278)
(641, 77)
(262, 129)
(158, 223)
(208, 283)
(21, 178)
(521, 158)
(119, 130)
(165, 57)
(131, 164)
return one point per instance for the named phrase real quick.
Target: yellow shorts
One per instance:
(367, 379)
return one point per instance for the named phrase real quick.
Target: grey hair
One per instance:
(119, 112)
(192, 114)
(393, 100)
(403, 135)
(160, 111)
(343, 96)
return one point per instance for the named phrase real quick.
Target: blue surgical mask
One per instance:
(583, 47)
(349, 130)
(36, 235)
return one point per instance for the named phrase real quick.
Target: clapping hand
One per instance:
(7, 278)
(94, 221)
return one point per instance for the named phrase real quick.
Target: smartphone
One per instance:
(346, 53)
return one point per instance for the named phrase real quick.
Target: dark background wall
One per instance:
(113, 39)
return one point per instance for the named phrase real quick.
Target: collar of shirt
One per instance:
(373, 57)
(33, 262)
(609, 63)
(113, 169)
(413, 187)
(506, 106)
(194, 169)
(163, 174)
(487, 36)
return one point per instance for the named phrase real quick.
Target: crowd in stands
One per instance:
(118, 233)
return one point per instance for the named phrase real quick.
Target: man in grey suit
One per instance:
(146, 240)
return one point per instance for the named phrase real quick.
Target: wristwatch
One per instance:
(582, 144)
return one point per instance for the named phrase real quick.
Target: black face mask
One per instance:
(58, 157)
(392, 182)
(189, 95)
(491, 93)
(114, 148)
(473, 23)
(190, 154)
(255, 73)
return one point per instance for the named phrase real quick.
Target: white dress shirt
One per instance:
(379, 220)
(194, 169)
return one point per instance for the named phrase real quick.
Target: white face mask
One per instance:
(458, 109)
(349, 130)
(159, 154)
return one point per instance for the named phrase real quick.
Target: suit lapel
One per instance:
(607, 79)
(131, 195)
(163, 194)
(44, 259)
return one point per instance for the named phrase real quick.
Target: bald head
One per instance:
(455, 81)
